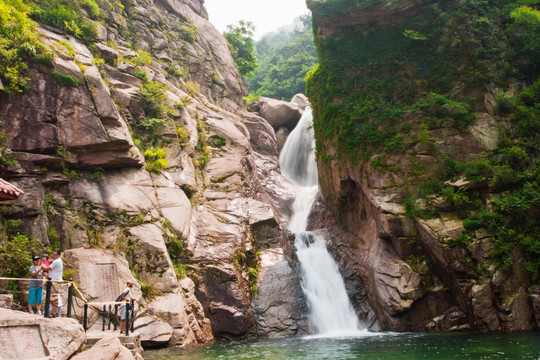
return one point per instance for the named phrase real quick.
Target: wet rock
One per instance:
(484, 309)
(275, 302)
(279, 113)
(301, 100)
(534, 295)
(153, 331)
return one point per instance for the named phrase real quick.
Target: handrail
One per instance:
(74, 292)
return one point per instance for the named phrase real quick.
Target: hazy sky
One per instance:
(266, 15)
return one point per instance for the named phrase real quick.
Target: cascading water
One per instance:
(331, 312)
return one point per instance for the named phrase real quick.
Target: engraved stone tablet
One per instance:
(107, 282)
(20, 342)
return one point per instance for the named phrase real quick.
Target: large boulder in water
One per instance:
(279, 113)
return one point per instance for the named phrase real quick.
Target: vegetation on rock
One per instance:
(240, 39)
(388, 90)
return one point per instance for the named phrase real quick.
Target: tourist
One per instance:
(55, 269)
(35, 292)
(126, 297)
(45, 260)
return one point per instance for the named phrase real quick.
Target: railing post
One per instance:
(115, 317)
(109, 315)
(85, 315)
(48, 286)
(103, 322)
(132, 315)
(127, 318)
(70, 297)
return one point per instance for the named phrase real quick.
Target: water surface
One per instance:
(381, 346)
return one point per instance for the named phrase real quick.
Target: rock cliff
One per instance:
(412, 132)
(138, 161)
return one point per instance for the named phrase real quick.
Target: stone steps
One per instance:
(131, 341)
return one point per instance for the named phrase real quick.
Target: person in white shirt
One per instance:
(126, 296)
(55, 269)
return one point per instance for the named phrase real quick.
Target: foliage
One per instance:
(183, 135)
(180, 271)
(175, 70)
(148, 290)
(156, 159)
(65, 80)
(71, 16)
(19, 43)
(154, 96)
(218, 141)
(16, 249)
(251, 98)
(143, 58)
(188, 33)
(240, 39)
(284, 58)
(141, 74)
(193, 88)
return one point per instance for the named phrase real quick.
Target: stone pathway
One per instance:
(131, 341)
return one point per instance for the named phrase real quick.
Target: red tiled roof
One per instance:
(9, 191)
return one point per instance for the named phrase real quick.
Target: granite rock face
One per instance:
(145, 168)
(414, 274)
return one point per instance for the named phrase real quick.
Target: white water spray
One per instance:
(331, 312)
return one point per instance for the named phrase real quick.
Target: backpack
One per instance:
(119, 298)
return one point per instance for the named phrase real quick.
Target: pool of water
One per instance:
(368, 346)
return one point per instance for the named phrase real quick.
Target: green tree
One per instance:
(285, 58)
(240, 39)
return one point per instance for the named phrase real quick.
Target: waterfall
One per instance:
(331, 312)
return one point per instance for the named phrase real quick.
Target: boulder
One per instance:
(275, 304)
(107, 53)
(153, 331)
(6, 301)
(262, 135)
(31, 336)
(173, 308)
(534, 296)
(279, 113)
(301, 100)
(108, 348)
(485, 312)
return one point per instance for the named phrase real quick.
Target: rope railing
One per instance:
(75, 296)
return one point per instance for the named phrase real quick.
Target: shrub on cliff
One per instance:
(18, 43)
(240, 39)
(71, 16)
(16, 249)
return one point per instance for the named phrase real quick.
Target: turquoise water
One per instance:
(401, 346)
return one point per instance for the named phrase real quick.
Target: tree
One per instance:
(285, 58)
(240, 39)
